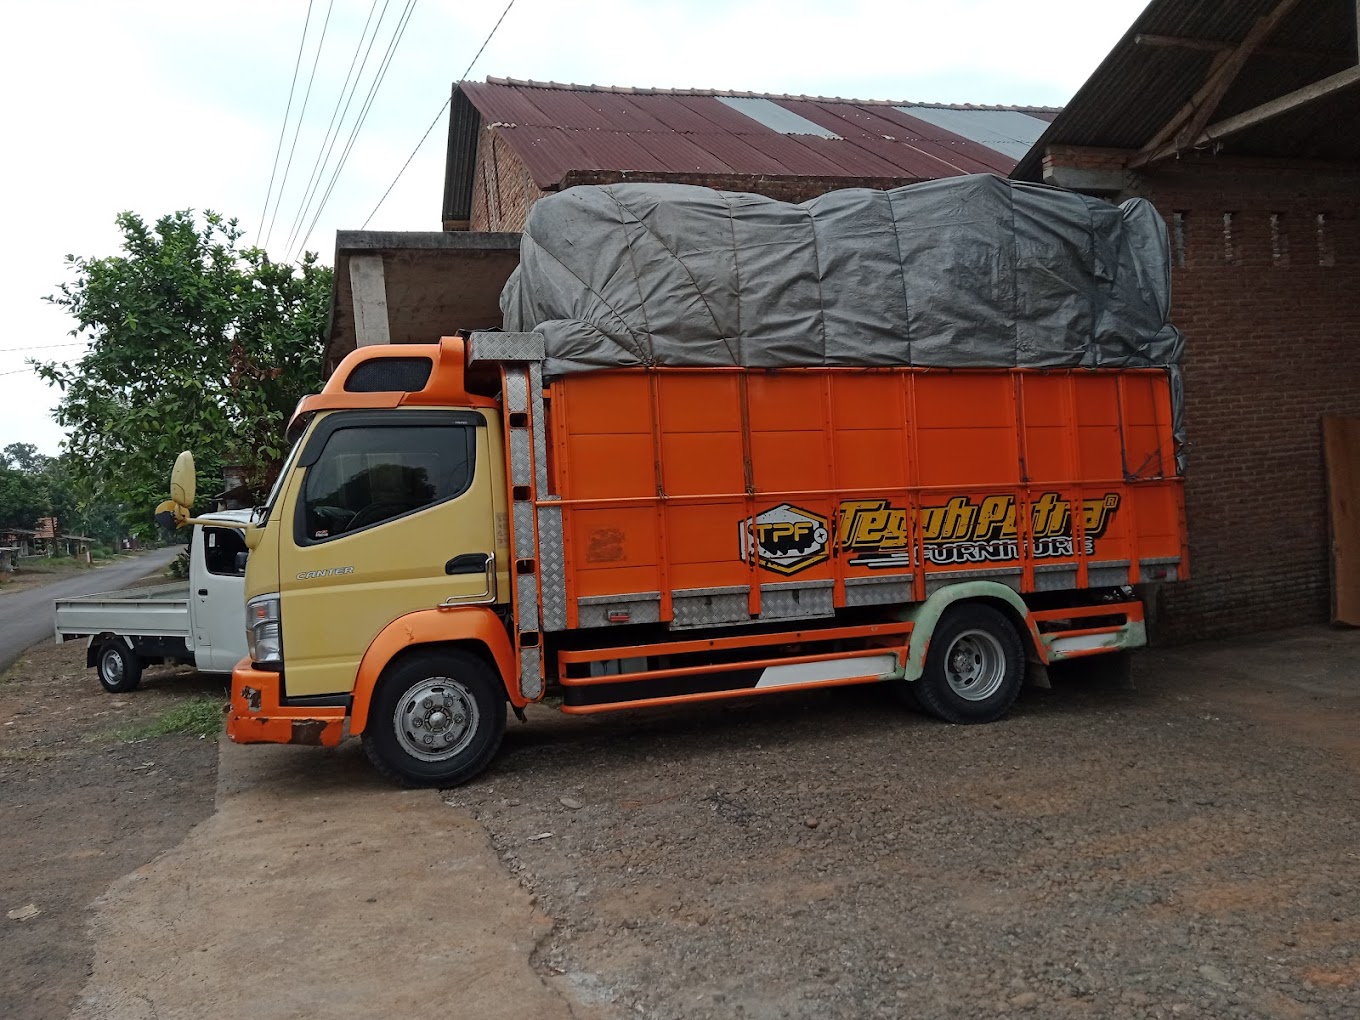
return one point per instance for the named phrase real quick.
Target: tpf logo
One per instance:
(785, 539)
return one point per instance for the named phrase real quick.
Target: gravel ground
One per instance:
(1185, 850)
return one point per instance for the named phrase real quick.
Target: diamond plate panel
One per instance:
(1107, 575)
(516, 389)
(552, 568)
(594, 611)
(526, 601)
(882, 590)
(704, 607)
(521, 471)
(540, 427)
(494, 346)
(1009, 576)
(524, 530)
(1055, 580)
(531, 673)
(1169, 564)
(793, 601)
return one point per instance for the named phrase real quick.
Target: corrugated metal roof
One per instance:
(1143, 82)
(556, 129)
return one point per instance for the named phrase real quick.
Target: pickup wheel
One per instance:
(437, 719)
(119, 669)
(974, 668)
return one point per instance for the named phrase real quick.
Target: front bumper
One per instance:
(256, 717)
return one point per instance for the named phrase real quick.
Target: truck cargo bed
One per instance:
(160, 611)
(699, 497)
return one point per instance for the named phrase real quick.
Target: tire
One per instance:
(975, 666)
(437, 719)
(118, 668)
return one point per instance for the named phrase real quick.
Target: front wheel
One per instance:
(119, 669)
(975, 665)
(437, 719)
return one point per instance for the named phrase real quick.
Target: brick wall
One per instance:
(502, 189)
(1266, 288)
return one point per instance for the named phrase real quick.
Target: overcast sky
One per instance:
(157, 106)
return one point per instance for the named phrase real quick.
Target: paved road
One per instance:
(26, 616)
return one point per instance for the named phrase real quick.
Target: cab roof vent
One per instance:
(390, 375)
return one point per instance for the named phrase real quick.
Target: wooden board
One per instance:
(1341, 446)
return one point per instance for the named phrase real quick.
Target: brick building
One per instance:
(1241, 123)
(511, 142)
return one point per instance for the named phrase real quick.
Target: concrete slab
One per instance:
(316, 890)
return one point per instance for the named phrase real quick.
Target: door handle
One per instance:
(467, 563)
(472, 563)
(203, 591)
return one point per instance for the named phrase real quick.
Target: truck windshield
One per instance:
(278, 482)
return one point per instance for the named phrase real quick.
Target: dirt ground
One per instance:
(1184, 850)
(81, 807)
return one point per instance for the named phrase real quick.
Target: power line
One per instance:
(391, 51)
(283, 128)
(16, 371)
(426, 135)
(41, 347)
(297, 129)
(328, 142)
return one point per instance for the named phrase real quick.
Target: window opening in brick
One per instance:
(1326, 256)
(1229, 251)
(1279, 240)
(1178, 237)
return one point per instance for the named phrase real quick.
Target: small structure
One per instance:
(20, 541)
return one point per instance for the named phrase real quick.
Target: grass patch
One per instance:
(198, 717)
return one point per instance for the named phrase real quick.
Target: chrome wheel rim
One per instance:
(975, 665)
(436, 719)
(112, 665)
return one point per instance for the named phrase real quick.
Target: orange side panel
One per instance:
(674, 479)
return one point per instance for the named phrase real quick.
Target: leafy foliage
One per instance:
(33, 485)
(195, 343)
(23, 499)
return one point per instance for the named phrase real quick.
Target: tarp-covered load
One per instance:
(970, 271)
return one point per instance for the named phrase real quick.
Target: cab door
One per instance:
(219, 601)
(393, 513)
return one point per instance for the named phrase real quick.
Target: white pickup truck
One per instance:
(200, 622)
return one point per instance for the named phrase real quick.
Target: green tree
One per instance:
(23, 457)
(194, 343)
(23, 499)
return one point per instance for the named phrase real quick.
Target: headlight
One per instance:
(264, 633)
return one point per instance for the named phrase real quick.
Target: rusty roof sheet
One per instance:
(556, 129)
(1144, 80)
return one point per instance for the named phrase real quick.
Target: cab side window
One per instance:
(366, 476)
(220, 549)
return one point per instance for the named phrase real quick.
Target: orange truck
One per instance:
(453, 534)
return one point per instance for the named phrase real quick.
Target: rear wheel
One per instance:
(437, 719)
(974, 668)
(119, 669)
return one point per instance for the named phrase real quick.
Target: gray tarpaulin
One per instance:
(973, 271)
